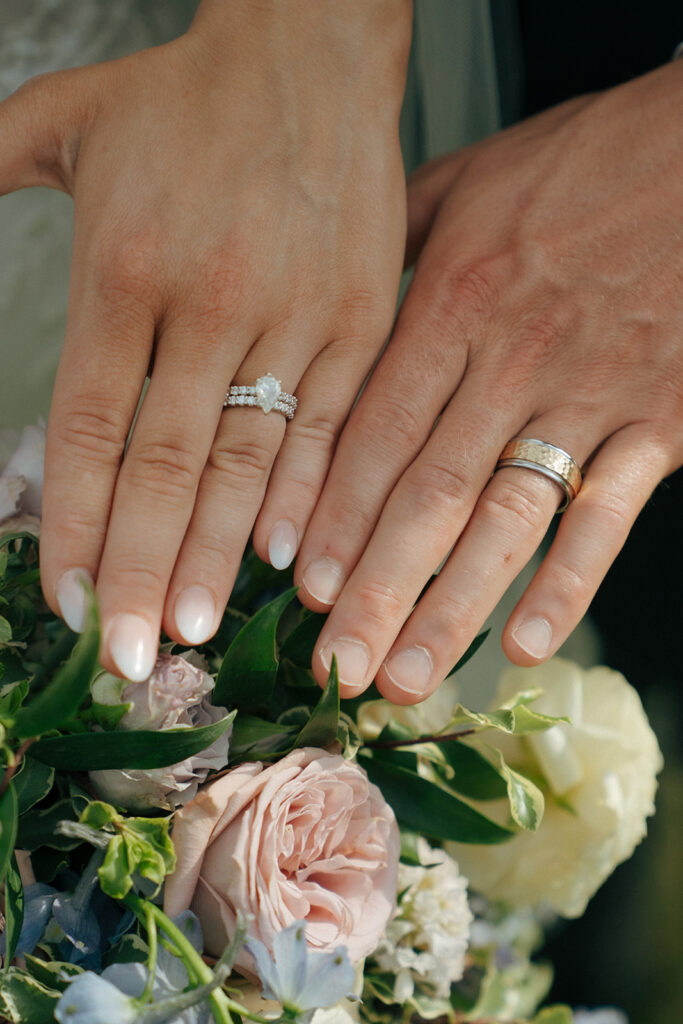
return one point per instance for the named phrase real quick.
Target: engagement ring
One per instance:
(266, 393)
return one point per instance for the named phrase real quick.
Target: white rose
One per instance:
(21, 480)
(174, 695)
(427, 939)
(602, 769)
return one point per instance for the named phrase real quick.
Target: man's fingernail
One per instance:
(133, 646)
(324, 579)
(72, 597)
(195, 612)
(282, 544)
(534, 636)
(411, 670)
(353, 660)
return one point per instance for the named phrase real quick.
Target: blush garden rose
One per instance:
(306, 838)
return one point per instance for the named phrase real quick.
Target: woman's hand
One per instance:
(239, 208)
(548, 303)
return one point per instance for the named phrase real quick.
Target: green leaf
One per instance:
(429, 808)
(9, 816)
(38, 828)
(27, 999)
(300, 644)
(141, 845)
(5, 630)
(116, 870)
(131, 949)
(14, 909)
(247, 675)
(54, 974)
(473, 775)
(62, 697)
(321, 728)
(137, 748)
(514, 717)
(32, 783)
(409, 847)
(554, 1015)
(526, 799)
(513, 992)
(11, 697)
(471, 651)
(252, 735)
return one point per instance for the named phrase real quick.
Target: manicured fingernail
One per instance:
(195, 612)
(133, 646)
(411, 670)
(324, 579)
(282, 544)
(72, 597)
(534, 636)
(353, 660)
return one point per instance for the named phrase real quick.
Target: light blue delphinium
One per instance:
(89, 999)
(109, 998)
(38, 901)
(300, 979)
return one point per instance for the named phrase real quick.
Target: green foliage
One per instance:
(14, 908)
(135, 748)
(471, 774)
(514, 717)
(136, 846)
(63, 696)
(9, 816)
(247, 675)
(430, 808)
(24, 998)
(513, 993)
(321, 728)
(526, 800)
(32, 782)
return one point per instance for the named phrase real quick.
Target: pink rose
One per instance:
(308, 838)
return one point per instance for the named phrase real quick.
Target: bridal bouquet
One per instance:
(226, 842)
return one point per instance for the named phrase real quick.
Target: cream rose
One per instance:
(21, 479)
(307, 838)
(601, 770)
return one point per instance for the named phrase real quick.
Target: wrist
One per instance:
(365, 41)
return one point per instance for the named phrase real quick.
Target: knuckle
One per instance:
(166, 466)
(441, 489)
(93, 429)
(468, 296)
(388, 420)
(380, 602)
(128, 266)
(320, 431)
(510, 504)
(246, 460)
(573, 584)
(138, 579)
(614, 510)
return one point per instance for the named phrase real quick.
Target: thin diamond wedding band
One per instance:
(266, 393)
(548, 459)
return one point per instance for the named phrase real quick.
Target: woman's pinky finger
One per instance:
(593, 530)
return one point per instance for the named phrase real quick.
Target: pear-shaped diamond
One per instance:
(267, 391)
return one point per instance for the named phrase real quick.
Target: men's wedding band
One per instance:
(548, 459)
(266, 393)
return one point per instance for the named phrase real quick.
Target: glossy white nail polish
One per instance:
(534, 636)
(353, 660)
(133, 646)
(411, 670)
(72, 598)
(195, 613)
(324, 579)
(282, 544)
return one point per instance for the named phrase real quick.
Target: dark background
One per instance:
(626, 950)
